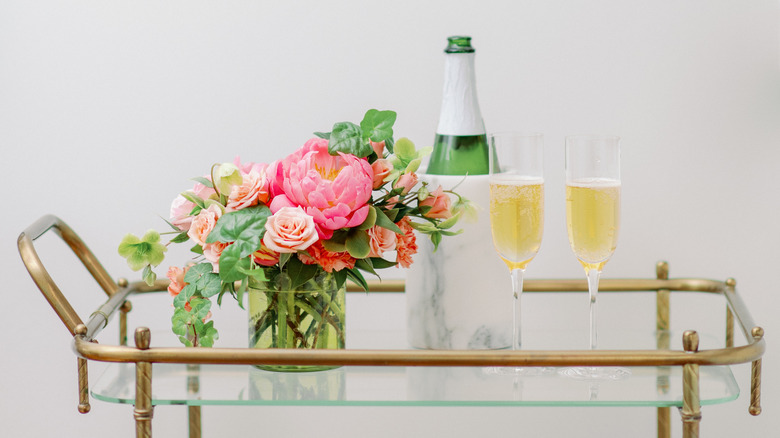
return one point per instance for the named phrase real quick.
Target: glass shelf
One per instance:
(179, 384)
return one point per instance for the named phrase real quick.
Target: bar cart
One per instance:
(663, 374)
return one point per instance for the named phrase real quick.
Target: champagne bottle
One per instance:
(460, 146)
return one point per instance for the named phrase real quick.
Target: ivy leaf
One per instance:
(378, 125)
(232, 263)
(348, 138)
(244, 228)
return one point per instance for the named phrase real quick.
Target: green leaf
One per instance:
(347, 138)
(436, 239)
(231, 264)
(204, 181)
(449, 223)
(195, 199)
(300, 272)
(366, 265)
(358, 244)
(380, 263)
(181, 238)
(149, 276)
(378, 125)
(357, 278)
(283, 258)
(325, 135)
(389, 144)
(370, 220)
(245, 228)
(384, 221)
(340, 277)
(184, 296)
(334, 246)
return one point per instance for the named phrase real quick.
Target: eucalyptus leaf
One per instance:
(384, 221)
(358, 244)
(370, 219)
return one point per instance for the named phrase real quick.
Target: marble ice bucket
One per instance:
(460, 296)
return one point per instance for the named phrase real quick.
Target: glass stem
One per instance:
(593, 291)
(517, 289)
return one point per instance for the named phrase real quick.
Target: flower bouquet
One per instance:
(292, 232)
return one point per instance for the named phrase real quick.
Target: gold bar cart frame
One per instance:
(143, 356)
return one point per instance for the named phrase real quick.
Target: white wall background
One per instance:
(108, 107)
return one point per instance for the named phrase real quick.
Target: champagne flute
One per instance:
(516, 213)
(593, 220)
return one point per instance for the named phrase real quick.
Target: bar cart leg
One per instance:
(144, 411)
(755, 376)
(664, 425)
(193, 388)
(691, 409)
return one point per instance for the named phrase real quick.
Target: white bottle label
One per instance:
(460, 113)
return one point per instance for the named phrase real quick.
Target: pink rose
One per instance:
(254, 189)
(176, 275)
(379, 148)
(212, 251)
(439, 203)
(406, 181)
(181, 208)
(382, 240)
(334, 190)
(203, 223)
(381, 168)
(289, 230)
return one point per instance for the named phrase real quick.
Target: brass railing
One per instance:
(690, 359)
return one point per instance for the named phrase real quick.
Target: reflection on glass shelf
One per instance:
(415, 386)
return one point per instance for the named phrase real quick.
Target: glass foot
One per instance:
(595, 373)
(519, 371)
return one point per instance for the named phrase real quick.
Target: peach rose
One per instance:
(212, 251)
(176, 275)
(381, 168)
(289, 230)
(379, 148)
(203, 223)
(382, 240)
(406, 181)
(254, 189)
(439, 203)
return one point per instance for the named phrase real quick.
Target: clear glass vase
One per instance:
(307, 316)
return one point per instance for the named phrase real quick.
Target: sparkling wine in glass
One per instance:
(517, 213)
(593, 220)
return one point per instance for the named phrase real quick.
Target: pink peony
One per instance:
(406, 181)
(334, 190)
(381, 169)
(439, 203)
(203, 223)
(290, 230)
(176, 275)
(330, 261)
(254, 189)
(382, 240)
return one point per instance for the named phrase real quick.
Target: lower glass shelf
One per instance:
(179, 384)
